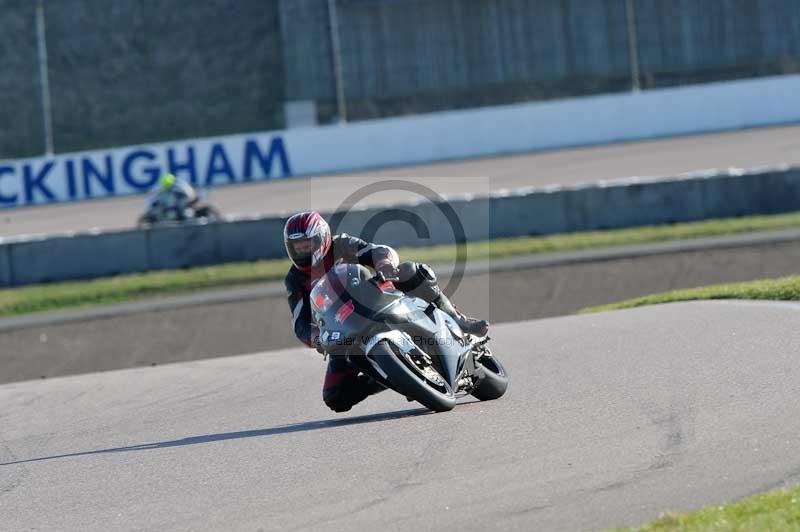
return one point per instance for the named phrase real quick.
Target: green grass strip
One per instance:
(507, 247)
(783, 289)
(36, 298)
(775, 511)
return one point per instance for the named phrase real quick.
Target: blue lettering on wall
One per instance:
(150, 172)
(177, 168)
(10, 200)
(92, 172)
(35, 180)
(108, 173)
(252, 153)
(218, 163)
(72, 186)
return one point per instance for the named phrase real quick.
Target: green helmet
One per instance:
(166, 181)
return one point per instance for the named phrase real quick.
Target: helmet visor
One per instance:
(301, 250)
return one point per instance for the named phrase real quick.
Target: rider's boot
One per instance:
(467, 324)
(345, 387)
(419, 280)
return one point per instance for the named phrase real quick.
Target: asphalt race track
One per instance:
(665, 157)
(610, 419)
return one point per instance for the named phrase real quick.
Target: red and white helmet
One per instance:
(308, 238)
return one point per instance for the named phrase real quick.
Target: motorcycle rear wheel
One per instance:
(145, 220)
(407, 379)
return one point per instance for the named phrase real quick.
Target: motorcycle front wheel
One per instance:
(145, 220)
(417, 381)
(209, 212)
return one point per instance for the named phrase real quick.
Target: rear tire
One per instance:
(409, 382)
(495, 382)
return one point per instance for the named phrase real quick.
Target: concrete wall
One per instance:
(142, 71)
(410, 56)
(80, 256)
(128, 72)
(407, 140)
(400, 57)
(608, 205)
(6, 276)
(21, 120)
(146, 71)
(30, 260)
(546, 125)
(690, 41)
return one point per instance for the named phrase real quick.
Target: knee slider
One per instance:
(337, 401)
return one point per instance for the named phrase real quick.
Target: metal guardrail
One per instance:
(603, 205)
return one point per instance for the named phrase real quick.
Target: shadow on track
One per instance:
(282, 429)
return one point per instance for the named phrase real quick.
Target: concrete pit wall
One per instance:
(606, 205)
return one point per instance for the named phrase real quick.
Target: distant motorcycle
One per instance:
(160, 210)
(401, 341)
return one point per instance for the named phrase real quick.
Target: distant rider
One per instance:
(172, 192)
(313, 251)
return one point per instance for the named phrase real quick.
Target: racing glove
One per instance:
(387, 271)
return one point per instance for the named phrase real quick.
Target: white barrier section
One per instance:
(407, 140)
(133, 170)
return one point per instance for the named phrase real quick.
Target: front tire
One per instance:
(409, 381)
(208, 212)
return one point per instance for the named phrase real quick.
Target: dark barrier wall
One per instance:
(409, 56)
(20, 103)
(401, 48)
(129, 72)
(133, 71)
(404, 56)
(690, 41)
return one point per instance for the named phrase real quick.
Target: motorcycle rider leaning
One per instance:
(174, 192)
(313, 251)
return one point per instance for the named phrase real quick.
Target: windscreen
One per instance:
(328, 290)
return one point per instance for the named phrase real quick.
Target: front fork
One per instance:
(397, 338)
(472, 374)
(469, 376)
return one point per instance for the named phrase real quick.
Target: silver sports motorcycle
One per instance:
(401, 341)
